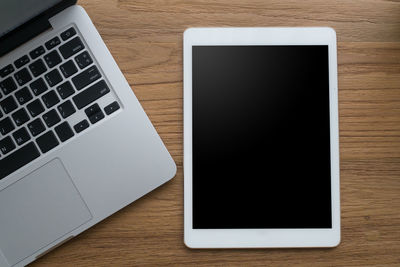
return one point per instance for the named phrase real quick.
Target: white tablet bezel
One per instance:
(246, 238)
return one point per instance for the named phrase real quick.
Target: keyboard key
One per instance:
(21, 136)
(38, 87)
(53, 77)
(18, 159)
(35, 108)
(51, 118)
(71, 48)
(114, 106)
(50, 99)
(68, 34)
(64, 131)
(22, 76)
(91, 94)
(83, 60)
(36, 127)
(86, 77)
(6, 145)
(9, 104)
(52, 43)
(37, 52)
(37, 68)
(65, 90)
(52, 59)
(8, 85)
(6, 126)
(6, 70)
(96, 117)
(93, 109)
(68, 68)
(20, 117)
(23, 95)
(79, 127)
(66, 109)
(47, 142)
(21, 61)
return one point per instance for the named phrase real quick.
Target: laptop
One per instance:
(75, 144)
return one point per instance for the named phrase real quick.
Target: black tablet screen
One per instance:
(261, 137)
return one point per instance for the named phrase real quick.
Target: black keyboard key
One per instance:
(37, 68)
(79, 127)
(51, 118)
(22, 76)
(52, 59)
(93, 109)
(114, 106)
(8, 85)
(66, 109)
(20, 116)
(96, 117)
(21, 61)
(68, 34)
(86, 77)
(38, 87)
(9, 104)
(64, 131)
(23, 95)
(35, 108)
(18, 159)
(68, 69)
(50, 99)
(6, 126)
(6, 145)
(83, 60)
(71, 48)
(91, 94)
(52, 43)
(36, 127)
(21, 136)
(37, 52)
(6, 70)
(65, 90)
(47, 142)
(53, 77)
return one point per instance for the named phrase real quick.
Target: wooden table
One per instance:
(145, 37)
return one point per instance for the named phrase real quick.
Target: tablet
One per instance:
(261, 146)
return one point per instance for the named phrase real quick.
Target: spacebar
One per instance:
(18, 159)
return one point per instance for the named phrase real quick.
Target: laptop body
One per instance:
(75, 144)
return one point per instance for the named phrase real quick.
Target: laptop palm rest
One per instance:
(39, 209)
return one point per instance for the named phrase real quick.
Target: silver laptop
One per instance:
(75, 144)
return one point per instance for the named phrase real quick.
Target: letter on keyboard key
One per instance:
(6, 145)
(8, 85)
(6, 126)
(91, 94)
(22, 76)
(18, 159)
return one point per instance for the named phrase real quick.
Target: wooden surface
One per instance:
(145, 37)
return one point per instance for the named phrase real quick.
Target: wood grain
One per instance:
(145, 37)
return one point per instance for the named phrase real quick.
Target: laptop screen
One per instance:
(14, 13)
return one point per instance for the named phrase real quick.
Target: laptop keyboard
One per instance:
(40, 91)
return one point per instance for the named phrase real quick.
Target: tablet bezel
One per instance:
(247, 238)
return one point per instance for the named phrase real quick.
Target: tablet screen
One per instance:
(261, 137)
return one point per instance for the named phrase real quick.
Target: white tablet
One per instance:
(261, 146)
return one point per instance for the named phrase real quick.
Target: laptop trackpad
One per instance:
(39, 209)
